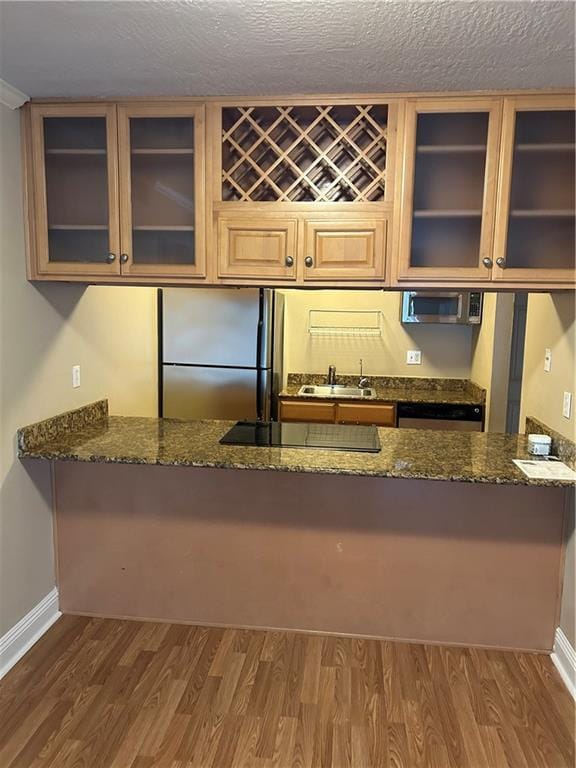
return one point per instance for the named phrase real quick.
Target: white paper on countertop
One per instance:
(545, 470)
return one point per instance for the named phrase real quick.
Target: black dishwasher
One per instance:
(461, 418)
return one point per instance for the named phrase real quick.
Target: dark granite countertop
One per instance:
(398, 395)
(397, 389)
(476, 457)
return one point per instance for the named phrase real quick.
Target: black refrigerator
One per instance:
(220, 353)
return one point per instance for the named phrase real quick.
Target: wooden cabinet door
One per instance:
(448, 190)
(535, 227)
(306, 410)
(345, 248)
(382, 415)
(257, 246)
(162, 190)
(74, 168)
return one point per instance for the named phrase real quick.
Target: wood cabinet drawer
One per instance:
(365, 413)
(300, 410)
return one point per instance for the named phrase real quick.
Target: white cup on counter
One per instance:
(539, 445)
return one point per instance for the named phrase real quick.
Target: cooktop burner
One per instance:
(335, 437)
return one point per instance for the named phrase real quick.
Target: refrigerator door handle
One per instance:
(259, 396)
(263, 394)
(264, 338)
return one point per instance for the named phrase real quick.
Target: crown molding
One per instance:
(11, 96)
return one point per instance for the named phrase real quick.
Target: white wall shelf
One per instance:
(345, 322)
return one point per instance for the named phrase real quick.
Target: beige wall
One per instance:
(44, 330)
(550, 324)
(445, 349)
(491, 356)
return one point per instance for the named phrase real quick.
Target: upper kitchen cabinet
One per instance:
(425, 192)
(316, 154)
(337, 247)
(329, 167)
(264, 246)
(448, 195)
(535, 225)
(162, 195)
(71, 158)
(116, 191)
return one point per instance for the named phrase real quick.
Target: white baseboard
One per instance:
(18, 640)
(564, 658)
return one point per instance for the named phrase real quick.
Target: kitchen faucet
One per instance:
(363, 381)
(331, 378)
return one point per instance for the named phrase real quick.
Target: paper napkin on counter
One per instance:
(545, 470)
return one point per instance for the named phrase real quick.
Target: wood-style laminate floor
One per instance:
(101, 693)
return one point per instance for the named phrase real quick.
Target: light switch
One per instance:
(75, 376)
(567, 405)
(414, 357)
(547, 360)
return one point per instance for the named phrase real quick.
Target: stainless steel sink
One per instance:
(335, 390)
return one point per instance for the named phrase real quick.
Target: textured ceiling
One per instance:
(217, 47)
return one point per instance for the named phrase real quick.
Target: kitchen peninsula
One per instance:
(436, 538)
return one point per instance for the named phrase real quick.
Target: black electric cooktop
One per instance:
(335, 437)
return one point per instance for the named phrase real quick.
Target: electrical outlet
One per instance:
(567, 405)
(414, 357)
(75, 376)
(547, 360)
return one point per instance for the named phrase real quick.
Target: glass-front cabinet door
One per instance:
(74, 156)
(535, 229)
(449, 190)
(161, 190)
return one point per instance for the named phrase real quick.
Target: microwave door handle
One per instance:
(459, 316)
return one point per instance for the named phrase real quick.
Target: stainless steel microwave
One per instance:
(442, 307)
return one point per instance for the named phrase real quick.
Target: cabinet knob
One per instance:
(309, 261)
(289, 261)
(487, 262)
(123, 258)
(501, 262)
(110, 258)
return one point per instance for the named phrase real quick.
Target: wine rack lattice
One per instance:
(304, 153)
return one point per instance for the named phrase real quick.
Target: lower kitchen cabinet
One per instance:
(334, 412)
(366, 413)
(305, 410)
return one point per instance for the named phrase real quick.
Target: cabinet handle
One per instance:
(123, 258)
(289, 261)
(309, 261)
(487, 262)
(501, 262)
(110, 258)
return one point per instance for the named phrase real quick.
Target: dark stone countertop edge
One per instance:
(35, 435)
(392, 397)
(396, 388)
(293, 468)
(47, 440)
